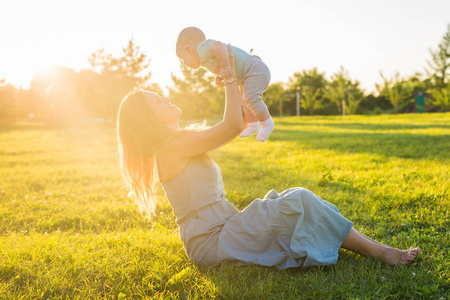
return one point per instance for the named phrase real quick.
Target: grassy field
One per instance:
(69, 231)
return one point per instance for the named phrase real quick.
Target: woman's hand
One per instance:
(225, 72)
(219, 81)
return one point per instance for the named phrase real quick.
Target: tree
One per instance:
(344, 90)
(274, 97)
(374, 104)
(440, 62)
(62, 94)
(55, 95)
(352, 104)
(9, 109)
(90, 88)
(310, 101)
(118, 76)
(401, 92)
(196, 94)
(310, 82)
(336, 91)
(397, 90)
(441, 98)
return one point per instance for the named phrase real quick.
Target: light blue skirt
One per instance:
(295, 228)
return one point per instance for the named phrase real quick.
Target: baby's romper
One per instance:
(254, 75)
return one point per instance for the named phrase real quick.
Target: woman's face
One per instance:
(165, 111)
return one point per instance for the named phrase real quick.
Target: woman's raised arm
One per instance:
(201, 141)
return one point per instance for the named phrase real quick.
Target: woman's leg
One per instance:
(359, 243)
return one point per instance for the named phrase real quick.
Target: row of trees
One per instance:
(341, 94)
(62, 94)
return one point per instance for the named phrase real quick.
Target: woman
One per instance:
(290, 229)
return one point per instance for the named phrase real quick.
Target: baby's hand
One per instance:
(219, 81)
(225, 72)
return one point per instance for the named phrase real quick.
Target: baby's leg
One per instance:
(256, 81)
(267, 126)
(252, 124)
(252, 121)
(264, 119)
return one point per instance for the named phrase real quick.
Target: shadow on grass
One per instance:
(352, 277)
(412, 146)
(25, 127)
(246, 179)
(67, 127)
(368, 126)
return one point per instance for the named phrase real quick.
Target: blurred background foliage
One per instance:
(61, 95)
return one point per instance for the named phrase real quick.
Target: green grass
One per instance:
(69, 231)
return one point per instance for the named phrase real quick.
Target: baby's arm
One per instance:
(218, 50)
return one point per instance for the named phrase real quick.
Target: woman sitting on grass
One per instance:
(291, 229)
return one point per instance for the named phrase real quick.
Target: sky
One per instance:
(365, 37)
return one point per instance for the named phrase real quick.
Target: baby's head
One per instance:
(187, 42)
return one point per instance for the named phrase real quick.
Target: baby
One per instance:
(253, 75)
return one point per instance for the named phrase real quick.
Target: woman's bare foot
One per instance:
(398, 257)
(362, 244)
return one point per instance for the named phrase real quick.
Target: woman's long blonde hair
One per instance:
(140, 135)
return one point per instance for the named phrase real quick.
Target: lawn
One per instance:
(69, 231)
